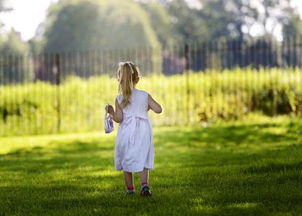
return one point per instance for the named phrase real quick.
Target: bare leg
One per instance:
(128, 179)
(145, 191)
(144, 175)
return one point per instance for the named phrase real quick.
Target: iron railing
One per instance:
(196, 83)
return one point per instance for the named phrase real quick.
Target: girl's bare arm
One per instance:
(116, 115)
(152, 104)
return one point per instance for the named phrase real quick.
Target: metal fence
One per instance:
(219, 55)
(40, 93)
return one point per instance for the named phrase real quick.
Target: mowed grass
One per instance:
(230, 169)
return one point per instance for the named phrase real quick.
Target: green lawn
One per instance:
(231, 169)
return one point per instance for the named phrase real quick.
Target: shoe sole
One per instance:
(146, 193)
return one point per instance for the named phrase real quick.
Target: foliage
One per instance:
(36, 46)
(97, 24)
(239, 169)
(13, 44)
(188, 27)
(231, 19)
(13, 57)
(293, 27)
(205, 97)
(161, 22)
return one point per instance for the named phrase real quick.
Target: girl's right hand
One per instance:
(109, 109)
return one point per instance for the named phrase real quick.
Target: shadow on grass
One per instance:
(211, 171)
(59, 156)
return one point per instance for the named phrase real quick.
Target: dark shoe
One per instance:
(145, 191)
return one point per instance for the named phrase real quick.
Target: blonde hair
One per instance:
(128, 75)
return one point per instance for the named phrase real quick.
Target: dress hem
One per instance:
(121, 169)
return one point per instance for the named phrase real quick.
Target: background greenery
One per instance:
(152, 22)
(103, 24)
(108, 26)
(197, 98)
(92, 24)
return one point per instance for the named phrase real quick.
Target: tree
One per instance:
(81, 27)
(97, 24)
(274, 13)
(12, 54)
(161, 22)
(188, 27)
(237, 18)
(292, 26)
(12, 60)
(218, 19)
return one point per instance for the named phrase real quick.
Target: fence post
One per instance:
(58, 82)
(186, 71)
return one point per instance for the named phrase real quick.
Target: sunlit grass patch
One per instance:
(253, 168)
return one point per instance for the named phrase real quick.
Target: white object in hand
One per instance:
(108, 122)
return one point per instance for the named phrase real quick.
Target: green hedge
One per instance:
(194, 98)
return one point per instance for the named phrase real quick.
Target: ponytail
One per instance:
(128, 75)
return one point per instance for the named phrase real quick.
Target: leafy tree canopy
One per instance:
(97, 24)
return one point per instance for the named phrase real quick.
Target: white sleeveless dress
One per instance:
(134, 148)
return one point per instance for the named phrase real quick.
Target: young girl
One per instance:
(134, 148)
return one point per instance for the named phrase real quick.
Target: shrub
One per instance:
(78, 104)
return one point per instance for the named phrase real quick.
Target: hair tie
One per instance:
(127, 62)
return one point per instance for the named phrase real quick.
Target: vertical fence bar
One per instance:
(58, 93)
(187, 68)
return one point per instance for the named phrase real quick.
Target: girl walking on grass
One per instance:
(134, 148)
